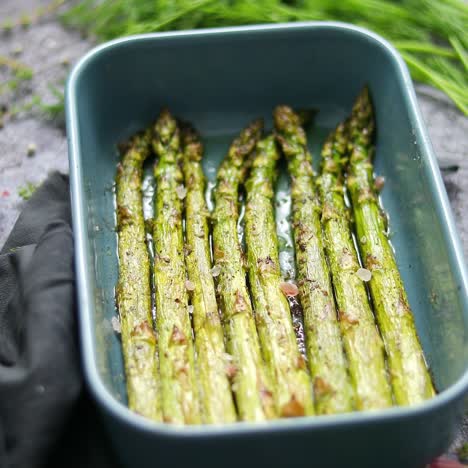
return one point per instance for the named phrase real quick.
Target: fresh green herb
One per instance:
(27, 190)
(431, 36)
(461, 52)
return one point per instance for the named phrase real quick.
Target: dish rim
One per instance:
(85, 303)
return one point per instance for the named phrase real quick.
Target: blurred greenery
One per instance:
(431, 35)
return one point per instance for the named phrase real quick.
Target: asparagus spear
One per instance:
(250, 380)
(328, 366)
(410, 378)
(292, 389)
(176, 353)
(217, 404)
(134, 289)
(362, 342)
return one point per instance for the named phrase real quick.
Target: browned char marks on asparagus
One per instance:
(251, 384)
(363, 344)
(213, 369)
(409, 375)
(134, 288)
(292, 387)
(180, 402)
(332, 389)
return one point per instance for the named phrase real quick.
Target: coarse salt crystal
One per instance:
(364, 274)
(228, 357)
(216, 270)
(116, 324)
(181, 192)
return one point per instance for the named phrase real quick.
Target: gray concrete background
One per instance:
(46, 45)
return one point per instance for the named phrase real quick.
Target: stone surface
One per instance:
(46, 45)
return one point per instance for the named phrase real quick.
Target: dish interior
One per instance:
(220, 85)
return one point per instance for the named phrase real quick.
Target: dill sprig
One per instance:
(431, 36)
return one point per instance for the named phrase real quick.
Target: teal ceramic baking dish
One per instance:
(219, 79)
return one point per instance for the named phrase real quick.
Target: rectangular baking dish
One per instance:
(220, 79)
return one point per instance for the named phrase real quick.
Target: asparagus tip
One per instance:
(193, 148)
(252, 132)
(334, 154)
(288, 130)
(139, 142)
(245, 142)
(285, 119)
(363, 105)
(166, 126)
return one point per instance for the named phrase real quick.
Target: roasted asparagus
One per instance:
(180, 402)
(250, 380)
(217, 405)
(362, 342)
(292, 387)
(327, 362)
(409, 375)
(134, 288)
